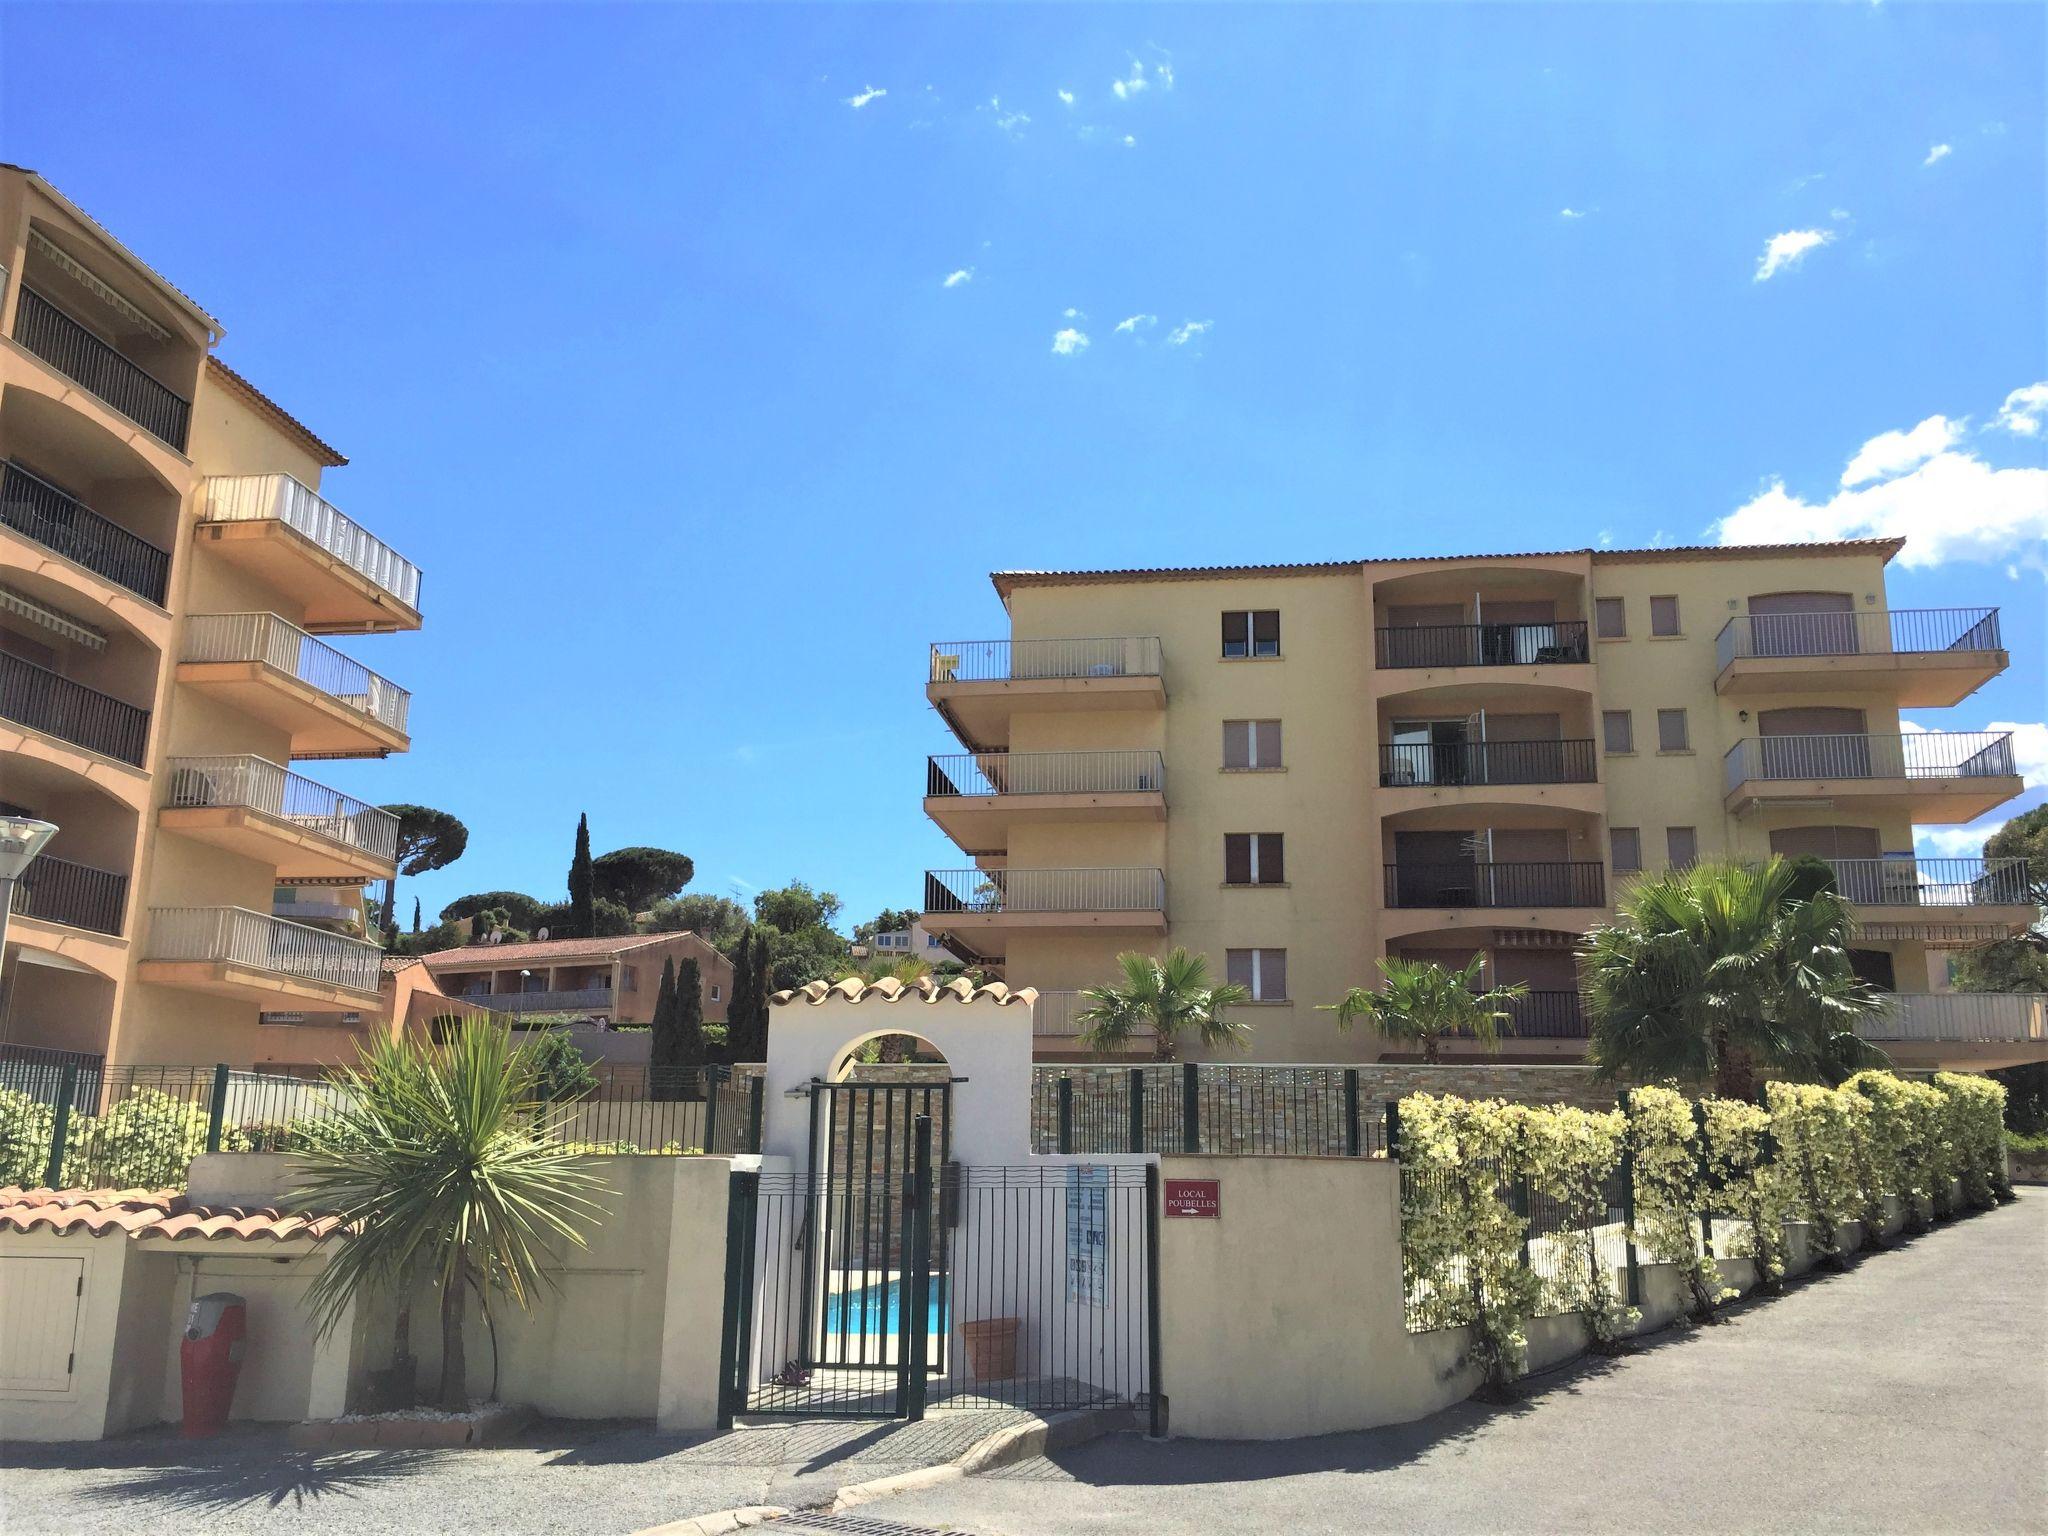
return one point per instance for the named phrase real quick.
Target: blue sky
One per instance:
(636, 325)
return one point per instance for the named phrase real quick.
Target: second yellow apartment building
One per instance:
(168, 572)
(1298, 769)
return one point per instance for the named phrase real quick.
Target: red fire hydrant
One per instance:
(209, 1360)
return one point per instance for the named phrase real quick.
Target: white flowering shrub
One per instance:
(1738, 1158)
(1669, 1155)
(1976, 1132)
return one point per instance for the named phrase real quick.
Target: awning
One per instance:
(44, 246)
(55, 620)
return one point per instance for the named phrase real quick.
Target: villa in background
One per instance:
(169, 568)
(1298, 769)
(613, 981)
(912, 943)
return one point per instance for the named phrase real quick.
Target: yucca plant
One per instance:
(1172, 997)
(1718, 969)
(1423, 1001)
(443, 1171)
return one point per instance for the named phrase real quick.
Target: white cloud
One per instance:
(1838, 214)
(1182, 334)
(2023, 410)
(1945, 501)
(1009, 122)
(955, 279)
(1938, 153)
(1571, 213)
(1130, 141)
(1066, 97)
(1071, 313)
(1891, 453)
(1069, 342)
(1163, 73)
(1954, 842)
(1131, 324)
(2029, 749)
(872, 93)
(1786, 250)
(1131, 84)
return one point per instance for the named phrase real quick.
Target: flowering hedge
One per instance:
(1821, 1156)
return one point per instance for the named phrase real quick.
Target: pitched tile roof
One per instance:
(141, 1213)
(491, 957)
(890, 990)
(326, 452)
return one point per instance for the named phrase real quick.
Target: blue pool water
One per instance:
(879, 1308)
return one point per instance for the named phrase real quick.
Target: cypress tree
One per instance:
(415, 914)
(739, 1007)
(582, 887)
(758, 990)
(661, 1045)
(688, 1015)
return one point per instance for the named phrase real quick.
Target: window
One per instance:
(1619, 727)
(1681, 847)
(714, 992)
(1663, 615)
(1671, 732)
(1252, 633)
(1628, 849)
(1261, 972)
(1251, 744)
(1610, 618)
(1254, 858)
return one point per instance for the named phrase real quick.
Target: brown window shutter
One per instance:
(1610, 618)
(1266, 632)
(1269, 744)
(1273, 975)
(1237, 967)
(1619, 727)
(1272, 859)
(1236, 634)
(1237, 743)
(1237, 858)
(1663, 615)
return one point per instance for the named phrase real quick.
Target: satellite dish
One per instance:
(542, 935)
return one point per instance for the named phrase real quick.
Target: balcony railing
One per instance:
(1542, 1016)
(1496, 885)
(1482, 645)
(38, 698)
(1905, 631)
(280, 498)
(999, 661)
(577, 1000)
(76, 895)
(1987, 1017)
(237, 936)
(83, 358)
(276, 642)
(1486, 762)
(1918, 882)
(1055, 1016)
(1917, 755)
(36, 509)
(258, 784)
(1045, 773)
(993, 891)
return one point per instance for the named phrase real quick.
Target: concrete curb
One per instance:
(718, 1523)
(1008, 1445)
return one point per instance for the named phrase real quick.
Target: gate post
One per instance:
(1137, 1109)
(755, 1090)
(217, 1107)
(1354, 1141)
(1190, 1109)
(918, 1295)
(713, 1082)
(1066, 1115)
(1394, 1128)
(741, 1192)
(1155, 1398)
(60, 1126)
(1628, 1201)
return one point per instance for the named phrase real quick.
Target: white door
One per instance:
(38, 1321)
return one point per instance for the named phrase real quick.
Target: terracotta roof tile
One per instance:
(139, 1213)
(890, 990)
(491, 957)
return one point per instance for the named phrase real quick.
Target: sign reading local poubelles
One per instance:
(1193, 1197)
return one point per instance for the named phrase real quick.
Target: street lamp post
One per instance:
(21, 839)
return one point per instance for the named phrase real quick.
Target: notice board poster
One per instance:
(1088, 1236)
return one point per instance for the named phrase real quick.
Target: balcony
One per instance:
(1405, 765)
(254, 957)
(42, 328)
(331, 705)
(972, 907)
(1494, 886)
(1557, 642)
(1927, 776)
(60, 523)
(1056, 1027)
(977, 685)
(54, 890)
(255, 808)
(41, 700)
(576, 1000)
(349, 580)
(1914, 657)
(1549, 1015)
(1977, 1030)
(976, 797)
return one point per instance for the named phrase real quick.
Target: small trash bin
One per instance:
(210, 1359)
(991, 1348)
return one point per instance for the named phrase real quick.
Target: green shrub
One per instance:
(25, 1127)
(1976, 1129)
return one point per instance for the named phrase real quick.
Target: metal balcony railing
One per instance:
(1905, 631)
(38, 698)
(1910, 881)
(1916, 755)
(1496, 885)
(576, 1000)
(237, 936)
(280, 498)
(258, 784)
(76, 895)
(1054, 1015)
(1045, 773)
(36, 509)
(1543, 1016)
(1482, 645)
(1988, 1017)
(1486, 762)
(281, 644)
(83, 358)
(1044, 890)
(984, 661)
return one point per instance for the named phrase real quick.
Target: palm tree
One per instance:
(1717, 969)
(440, 1168)
(1171, 997)
(1423, 1001)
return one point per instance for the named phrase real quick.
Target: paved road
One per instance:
(1910, 1394)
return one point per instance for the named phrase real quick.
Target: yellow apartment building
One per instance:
(1298, 769)
(168, 570)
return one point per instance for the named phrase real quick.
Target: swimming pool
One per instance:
(878, 1309)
